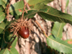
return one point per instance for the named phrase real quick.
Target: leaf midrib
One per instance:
(4, 51)
(59, 30)
(60, 43)
(55, 16)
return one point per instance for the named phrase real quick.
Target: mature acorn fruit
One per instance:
(24, 32)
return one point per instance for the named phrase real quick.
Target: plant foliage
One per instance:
(46, 12)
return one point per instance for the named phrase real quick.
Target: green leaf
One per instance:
(1, 2)
(47, 1)
(52, 14)
(1, 9)
(14, 9)
(58, 29)
(2, 16)
(59, 45)
(3, 44)
(34, 2)
(14, 42)
(30, 13)
(4, 33)
(4, 51)
(13, 51)
(5, 1)
(2, 26)
(18, 13)
(40, 6)
(67, 2)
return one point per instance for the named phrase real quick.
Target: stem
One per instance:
(23, 10)
(7, 10)
(25, 3)
(28, 7)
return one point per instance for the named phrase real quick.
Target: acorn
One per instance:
(24, 32)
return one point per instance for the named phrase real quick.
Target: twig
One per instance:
(28, 7)
(7, 10)
(25, 3)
